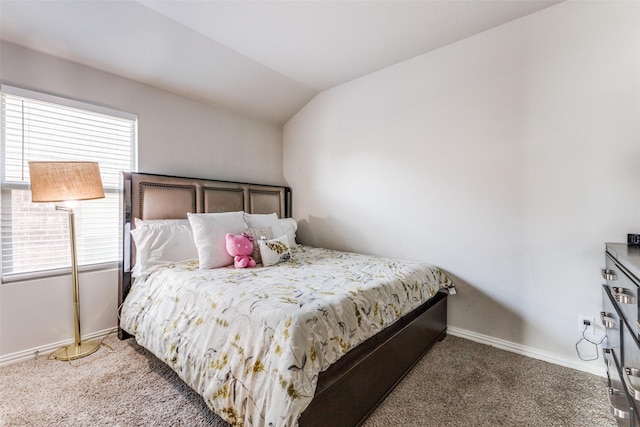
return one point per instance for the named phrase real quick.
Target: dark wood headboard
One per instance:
(148, 196)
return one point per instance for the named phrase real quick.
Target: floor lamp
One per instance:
(63, 182)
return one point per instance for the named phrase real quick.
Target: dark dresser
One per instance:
(620, 318)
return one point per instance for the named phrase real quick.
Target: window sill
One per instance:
(21, 277)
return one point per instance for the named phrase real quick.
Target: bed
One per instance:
(318, 339)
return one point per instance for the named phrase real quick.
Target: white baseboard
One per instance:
(32, 353)
(524, 350)
(532, 352)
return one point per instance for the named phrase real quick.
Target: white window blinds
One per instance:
(34, 236)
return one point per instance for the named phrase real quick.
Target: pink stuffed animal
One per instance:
(240, 247)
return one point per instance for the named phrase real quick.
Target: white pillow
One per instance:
(160, 242)
(209, 232)
(264, 221)
(275, 250)
(280, 227)
(289, 226)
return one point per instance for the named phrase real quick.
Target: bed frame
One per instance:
(353, 387)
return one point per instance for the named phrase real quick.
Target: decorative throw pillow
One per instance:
(258, 234)
(209, 231)
(160, 242)
(274, 251)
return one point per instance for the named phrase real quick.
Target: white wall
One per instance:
(176, 136)
(507, 159)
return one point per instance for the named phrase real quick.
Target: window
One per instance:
(34, 236)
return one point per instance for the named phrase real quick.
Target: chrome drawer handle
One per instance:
(608, 321)
(608, 274)
(622, 295)
(618, 400)
(619, 413)
(632, 372)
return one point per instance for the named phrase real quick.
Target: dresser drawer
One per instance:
(611, 321)
(631, 364)
(620, 407)
(623, 290)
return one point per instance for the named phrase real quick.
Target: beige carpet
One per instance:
(458, 383)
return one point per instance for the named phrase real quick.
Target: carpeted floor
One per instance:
(458, 383)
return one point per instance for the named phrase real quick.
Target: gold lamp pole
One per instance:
(61, 182)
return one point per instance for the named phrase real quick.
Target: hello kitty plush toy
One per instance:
(240, 247)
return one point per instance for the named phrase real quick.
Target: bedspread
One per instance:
(253, 341)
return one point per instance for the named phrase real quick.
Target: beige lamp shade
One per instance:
(63, 181)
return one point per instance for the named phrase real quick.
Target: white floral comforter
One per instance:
(253, 341)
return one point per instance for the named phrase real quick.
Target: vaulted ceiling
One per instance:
(262, 59)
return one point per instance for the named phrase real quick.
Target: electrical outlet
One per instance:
(588, 322)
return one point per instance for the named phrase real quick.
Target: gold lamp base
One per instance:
(76, 351)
